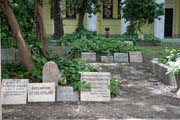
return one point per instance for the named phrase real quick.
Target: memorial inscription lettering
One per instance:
(121, 57)
(136, 57)
(88, 56)
(99, 83)
(14, 91)
(41, 92)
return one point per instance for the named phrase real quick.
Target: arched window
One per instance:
(108, 9)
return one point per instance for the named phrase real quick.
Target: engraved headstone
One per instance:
(107, 59)
(41, 92)
(99, 86)
(14, 91)
(66, 93)
(136, 56)
(129, 42)
(121, 57)
(88, 56)
(51, 72)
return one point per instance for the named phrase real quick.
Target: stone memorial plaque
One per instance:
(178, 93)
(99, 83)
(51, 72)
(136, 56)
(88, 56)
(107, 59)
(121, 57)
(41, 92)
(129, 42)
(66, 93)
(14, 91)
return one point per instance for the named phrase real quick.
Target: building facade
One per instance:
(110, 16)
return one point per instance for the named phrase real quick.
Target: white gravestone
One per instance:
(107, 59)
(129, 42)
(41, 92)
(99, 83)
(88, 56)
(51, 72)
(121, 57)
(14, 91)
(136, 57)
(178, 93)
(66, 93)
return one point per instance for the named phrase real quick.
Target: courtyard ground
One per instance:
(142, 96)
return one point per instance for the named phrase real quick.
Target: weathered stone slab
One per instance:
(41, 92)
(121, 57)
(8, 54)
(178, 93)
(66, 93)
(129, 42)
(136, 57)
(99, 83)
(51, 72)
(88, 56)
(160, 70)
(107, 59)
(14, 91)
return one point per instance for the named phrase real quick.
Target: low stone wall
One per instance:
(160, 70)
(12, 54)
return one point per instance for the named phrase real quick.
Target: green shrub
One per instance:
(69, 38)
(114, 86)
(102, 45)
(170, 55)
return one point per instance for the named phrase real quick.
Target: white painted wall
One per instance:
(123, 23)
(92, 22)
(159, 25)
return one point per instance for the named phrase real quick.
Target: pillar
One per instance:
(159, 25)
(123, 23)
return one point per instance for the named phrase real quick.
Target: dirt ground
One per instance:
(142, 96)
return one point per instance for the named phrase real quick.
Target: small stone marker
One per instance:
(121, 57)
(136, 56)
(51, 72)
(14, 91)
(41, 92)
(178, 93)
(129, 42)
(107, 59)
(66, 93)
(99, 83)
(88, 56)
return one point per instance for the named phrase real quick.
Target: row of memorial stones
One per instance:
(135, 56)
(16, 91)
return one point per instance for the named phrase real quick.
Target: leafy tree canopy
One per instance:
(140, 12)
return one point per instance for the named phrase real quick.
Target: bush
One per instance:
(26, 23)
(69, 38)
(102, 45)
(170, 56)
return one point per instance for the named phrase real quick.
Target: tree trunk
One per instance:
(81, 21)
(25, 54)
(56, 16)
(41, 33)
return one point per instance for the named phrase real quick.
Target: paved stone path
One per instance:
(142, 96)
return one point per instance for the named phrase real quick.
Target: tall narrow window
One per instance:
(119, 8)
(69, 12)
(108, 9)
